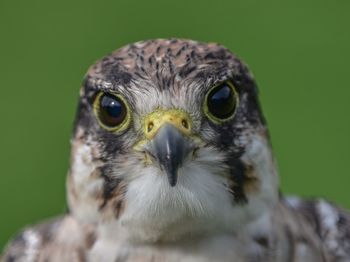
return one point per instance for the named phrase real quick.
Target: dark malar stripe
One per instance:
(238, 175)
(110, 184)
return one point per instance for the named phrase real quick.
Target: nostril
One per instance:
(184, 123)
(150, 126)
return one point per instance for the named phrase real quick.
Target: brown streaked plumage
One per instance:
(171, 161)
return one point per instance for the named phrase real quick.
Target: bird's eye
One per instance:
(111, 111)
(221, 102)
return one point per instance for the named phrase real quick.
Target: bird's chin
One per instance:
(156, 211)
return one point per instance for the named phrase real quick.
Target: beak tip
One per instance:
(172, 179)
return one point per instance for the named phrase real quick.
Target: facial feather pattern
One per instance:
(230, 179)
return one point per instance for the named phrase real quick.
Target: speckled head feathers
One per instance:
(165, 60)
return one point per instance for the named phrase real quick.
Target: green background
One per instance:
(298, 50)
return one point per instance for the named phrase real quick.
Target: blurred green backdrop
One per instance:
(298, 50)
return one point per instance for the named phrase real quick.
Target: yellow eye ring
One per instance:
(112, 111)
(221, 102)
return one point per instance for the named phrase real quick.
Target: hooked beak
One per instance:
(170, 148)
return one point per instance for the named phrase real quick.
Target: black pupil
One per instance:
(112, 110)
(221, 101)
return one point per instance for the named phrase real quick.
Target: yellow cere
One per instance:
(177, 117)
(155, 120)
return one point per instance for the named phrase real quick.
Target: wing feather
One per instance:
(330, 223)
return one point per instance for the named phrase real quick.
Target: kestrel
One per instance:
(171, 161)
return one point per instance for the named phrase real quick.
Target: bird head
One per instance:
(170, 141)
